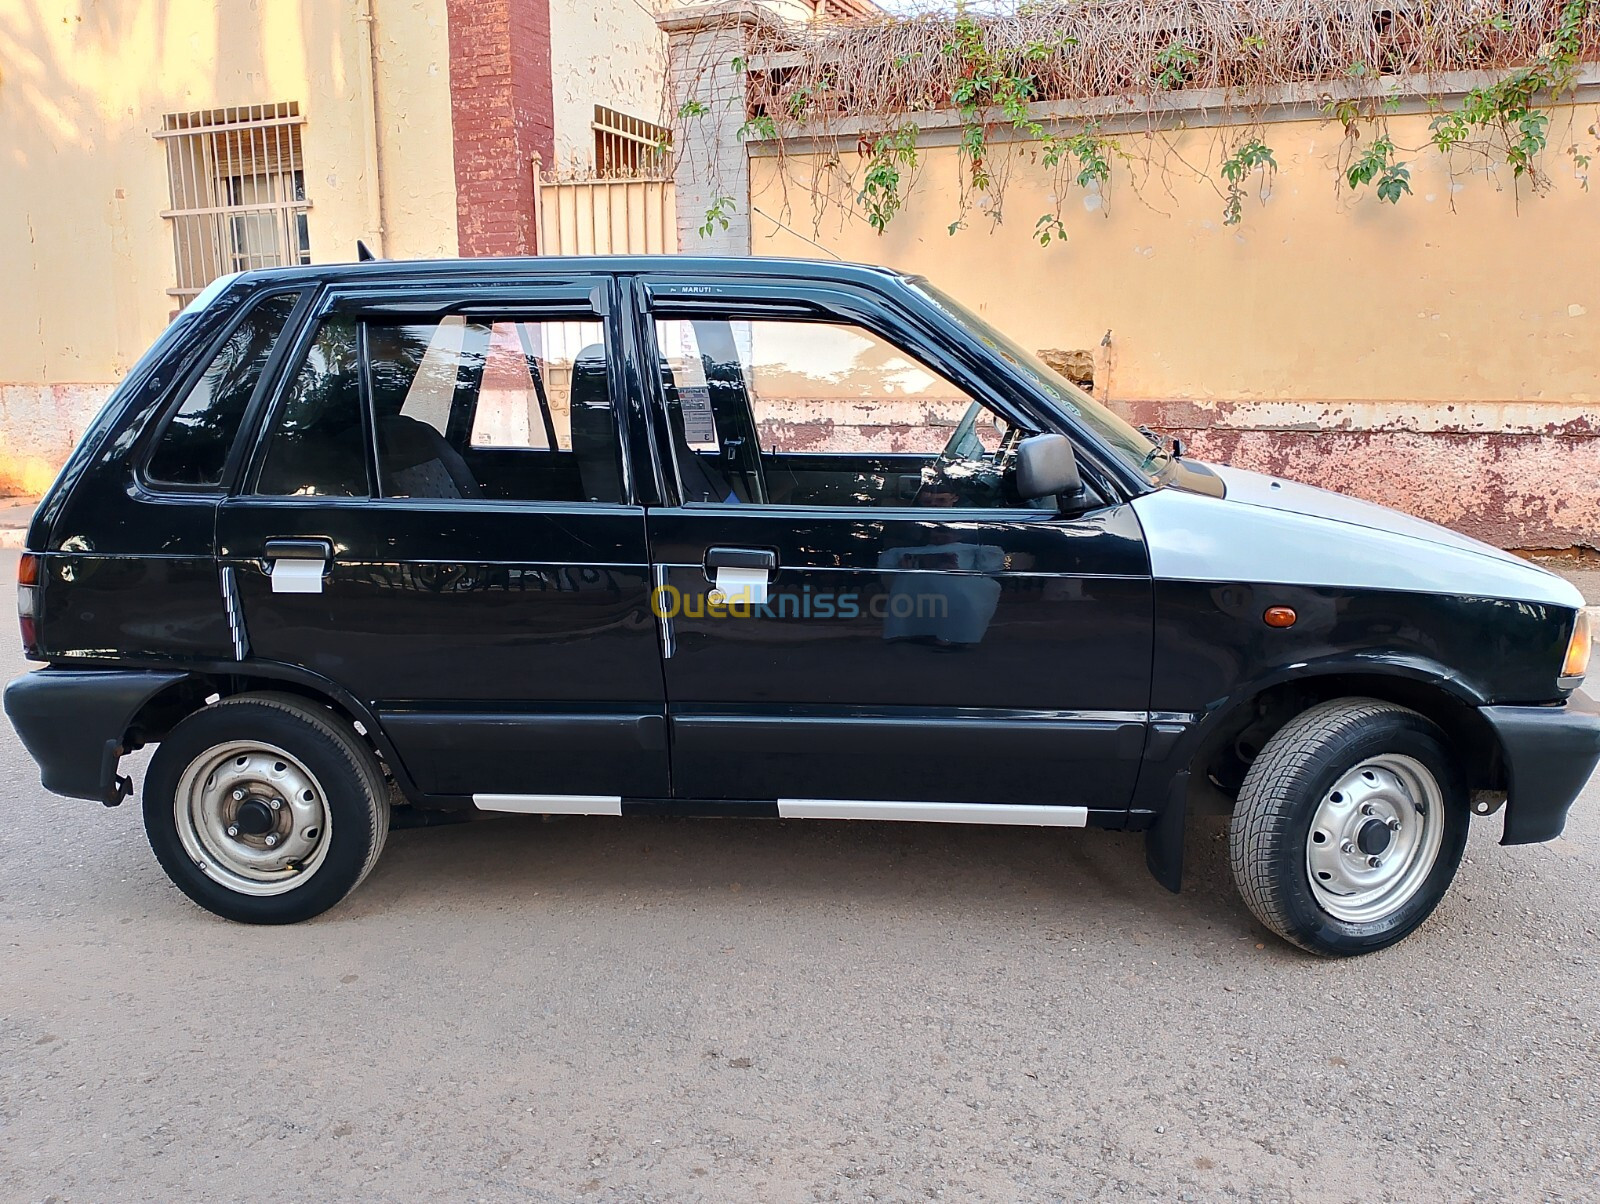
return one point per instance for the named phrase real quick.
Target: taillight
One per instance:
(28, 599)
(1578, 647)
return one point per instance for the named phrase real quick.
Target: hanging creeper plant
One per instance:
(877, 82)
(1248, 158)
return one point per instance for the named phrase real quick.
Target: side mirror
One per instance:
(1046, 467)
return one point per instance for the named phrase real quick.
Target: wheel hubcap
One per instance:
(252, 817)
(255, 817)
(1374, 838)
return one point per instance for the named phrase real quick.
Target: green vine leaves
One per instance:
(1250, 157)
(998, 77)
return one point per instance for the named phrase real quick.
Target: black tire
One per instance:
(1299, 767)
(354, 799)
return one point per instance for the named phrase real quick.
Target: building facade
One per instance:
(1440, 355)
(148, 146)
(1437, 355)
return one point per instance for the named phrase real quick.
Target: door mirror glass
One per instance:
(1046, 467)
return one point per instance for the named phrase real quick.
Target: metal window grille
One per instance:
(238, 189)
(630, 147)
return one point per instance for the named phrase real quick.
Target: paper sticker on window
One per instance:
(699, 426)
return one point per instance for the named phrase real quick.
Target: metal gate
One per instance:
(633, 216)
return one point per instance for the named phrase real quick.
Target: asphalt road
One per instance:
(728, 1010)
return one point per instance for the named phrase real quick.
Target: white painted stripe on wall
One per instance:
(937, 813)
(550, 804)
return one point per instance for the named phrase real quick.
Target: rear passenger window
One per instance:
(193, 447)
(317, 447)
(516, 410)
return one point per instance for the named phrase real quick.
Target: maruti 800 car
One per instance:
(750, 537)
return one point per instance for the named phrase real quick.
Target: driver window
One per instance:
(825, 414)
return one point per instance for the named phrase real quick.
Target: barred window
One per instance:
(629, 147)
(238, 191)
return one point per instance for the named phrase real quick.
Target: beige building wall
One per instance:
(606, 52)
(84, 253)
(1442, 354)
(613, 53)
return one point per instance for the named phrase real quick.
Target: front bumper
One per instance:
(73, 722)
(1549, 754)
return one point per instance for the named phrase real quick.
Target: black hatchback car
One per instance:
(750, 537)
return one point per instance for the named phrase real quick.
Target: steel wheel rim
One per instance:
(230, 828)
(1374, 838)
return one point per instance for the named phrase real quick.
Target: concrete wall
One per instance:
(710, 167)
(84, 253)
(1441, 355)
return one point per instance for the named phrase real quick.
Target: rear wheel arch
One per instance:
(265, 807)
(168, 707)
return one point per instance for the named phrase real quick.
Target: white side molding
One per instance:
(936, 813)
(550, 804)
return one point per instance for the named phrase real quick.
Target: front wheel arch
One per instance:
(1343, 772)
(1204, 775)
(1232, 736)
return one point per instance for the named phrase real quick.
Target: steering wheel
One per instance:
(965, 465)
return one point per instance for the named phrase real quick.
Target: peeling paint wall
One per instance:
(84, 252)
(1441, 355)
(1516, 490)
(1521, 475)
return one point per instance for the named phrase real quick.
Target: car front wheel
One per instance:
(265, 808)
(1349, 827)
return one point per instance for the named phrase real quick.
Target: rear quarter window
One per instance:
(192, 449)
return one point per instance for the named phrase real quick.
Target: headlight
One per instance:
(1577, 662)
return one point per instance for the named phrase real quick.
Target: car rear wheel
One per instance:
(265, 808)
(1349, 827)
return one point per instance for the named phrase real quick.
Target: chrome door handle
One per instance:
(297, 566)
(299, 549)
(741, 574)
(740, 558)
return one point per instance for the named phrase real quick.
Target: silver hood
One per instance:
(1281, 532)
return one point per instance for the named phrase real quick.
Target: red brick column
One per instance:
(502, 113)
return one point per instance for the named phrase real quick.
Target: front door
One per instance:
(440, 521)
(925, 637)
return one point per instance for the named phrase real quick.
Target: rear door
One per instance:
(926, 637)
(439, 518)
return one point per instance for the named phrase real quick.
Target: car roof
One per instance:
(377, 271)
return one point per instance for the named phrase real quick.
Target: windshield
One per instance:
(1143, 454)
